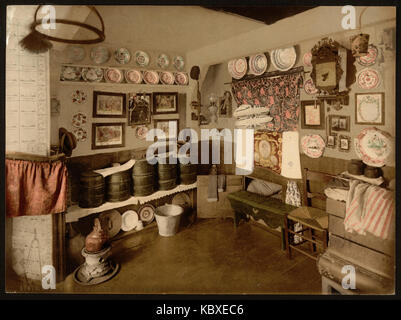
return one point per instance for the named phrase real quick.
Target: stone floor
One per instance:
(210, 257)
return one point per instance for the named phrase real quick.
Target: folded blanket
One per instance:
(369, 208)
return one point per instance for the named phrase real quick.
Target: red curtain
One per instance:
(35, 188)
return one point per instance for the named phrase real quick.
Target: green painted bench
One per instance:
(271, 210)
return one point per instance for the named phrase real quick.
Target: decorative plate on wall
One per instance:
(310, 88)
(151, 77)
(142, 58)
(92, 74)
(100, 54)
(368, 78)
(373, 146)
(76, 53)
(313, 145)
(122, 55)
(141, 131)
(179, 63)
(307, 59)
(147, 213)
(133, 76)
(258, 64)
(238, 68)
(79, 119)
(167, 78)
(70, 73)
(80, 134)
(79, 96)
(163, 61)
(113, 75)
(370, 58)
(181, 78)
(284, 59)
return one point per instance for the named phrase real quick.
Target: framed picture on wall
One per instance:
(139, 107)
(225, 105)
(339, 123)
(109, 104)
(312, 115)
(331, 142)
(369, 108)
(108, 135)
(165, 102)
(165, 125)
(344, 143)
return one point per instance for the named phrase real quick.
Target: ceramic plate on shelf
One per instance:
(313, 145)
(92, 74)
(258, 64)
(142, 58)
(80, 134)
(310, 88)
(368, 78)
(370, 58)
(163, 61)
(79, 96)
(141, 132)
(307, 59)
(167, 77)
(373, 146)
(181, 78)
(133, 76)
(76, 53)
(129, 220)
(70, 73)
(240, 67)
(111, 221)
(79, 119)
(113, 75)
(146, 213)
(284, 59)
(179, 63)
(151, 77)
(122, 55)
(100, 54)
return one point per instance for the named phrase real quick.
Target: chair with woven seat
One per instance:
(313, 222)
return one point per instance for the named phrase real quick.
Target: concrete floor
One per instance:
(209, 257)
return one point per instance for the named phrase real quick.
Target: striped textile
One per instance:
(369, 208)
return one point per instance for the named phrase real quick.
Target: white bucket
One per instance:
(168, 219)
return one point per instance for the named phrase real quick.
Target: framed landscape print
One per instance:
(165, 102)
(312, 115)
(139, 108)
(109, 104)
(164, 125)
(108, 135)
(369, 108)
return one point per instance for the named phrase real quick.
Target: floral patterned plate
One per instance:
(151, 77)
(76, 53)
(258, 64)
(368, 78)
(179, 63)
(310, 88)
(373, 146)
(100, 54)
(78, 96)
(370, 58)
(133, 76)
(163, 61)
(313, 145)
(79, 119)
(142, 58)
(141, 132)
(80, 134)
(167, 78)
(122, 55)
(69, 73)
(113, 75)
(181, 78)
(92, 74)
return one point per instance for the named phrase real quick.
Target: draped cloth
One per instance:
(279, 94)
(35, 188)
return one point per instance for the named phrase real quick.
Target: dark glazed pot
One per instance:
(372, 172)
(356, 167)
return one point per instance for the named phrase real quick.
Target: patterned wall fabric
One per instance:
(268, 150)
(279, 94)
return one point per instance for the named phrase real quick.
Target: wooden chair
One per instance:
(311, 230)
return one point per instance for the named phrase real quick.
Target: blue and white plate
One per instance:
(163, 61)
(122, 55)
(179, 63)
(142, 58)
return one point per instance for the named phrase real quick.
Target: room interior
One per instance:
(285, 183)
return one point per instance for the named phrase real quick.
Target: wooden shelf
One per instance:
(74, 213)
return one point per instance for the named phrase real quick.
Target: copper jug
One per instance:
(96, 239)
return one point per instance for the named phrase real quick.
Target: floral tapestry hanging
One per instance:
(279, 94)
